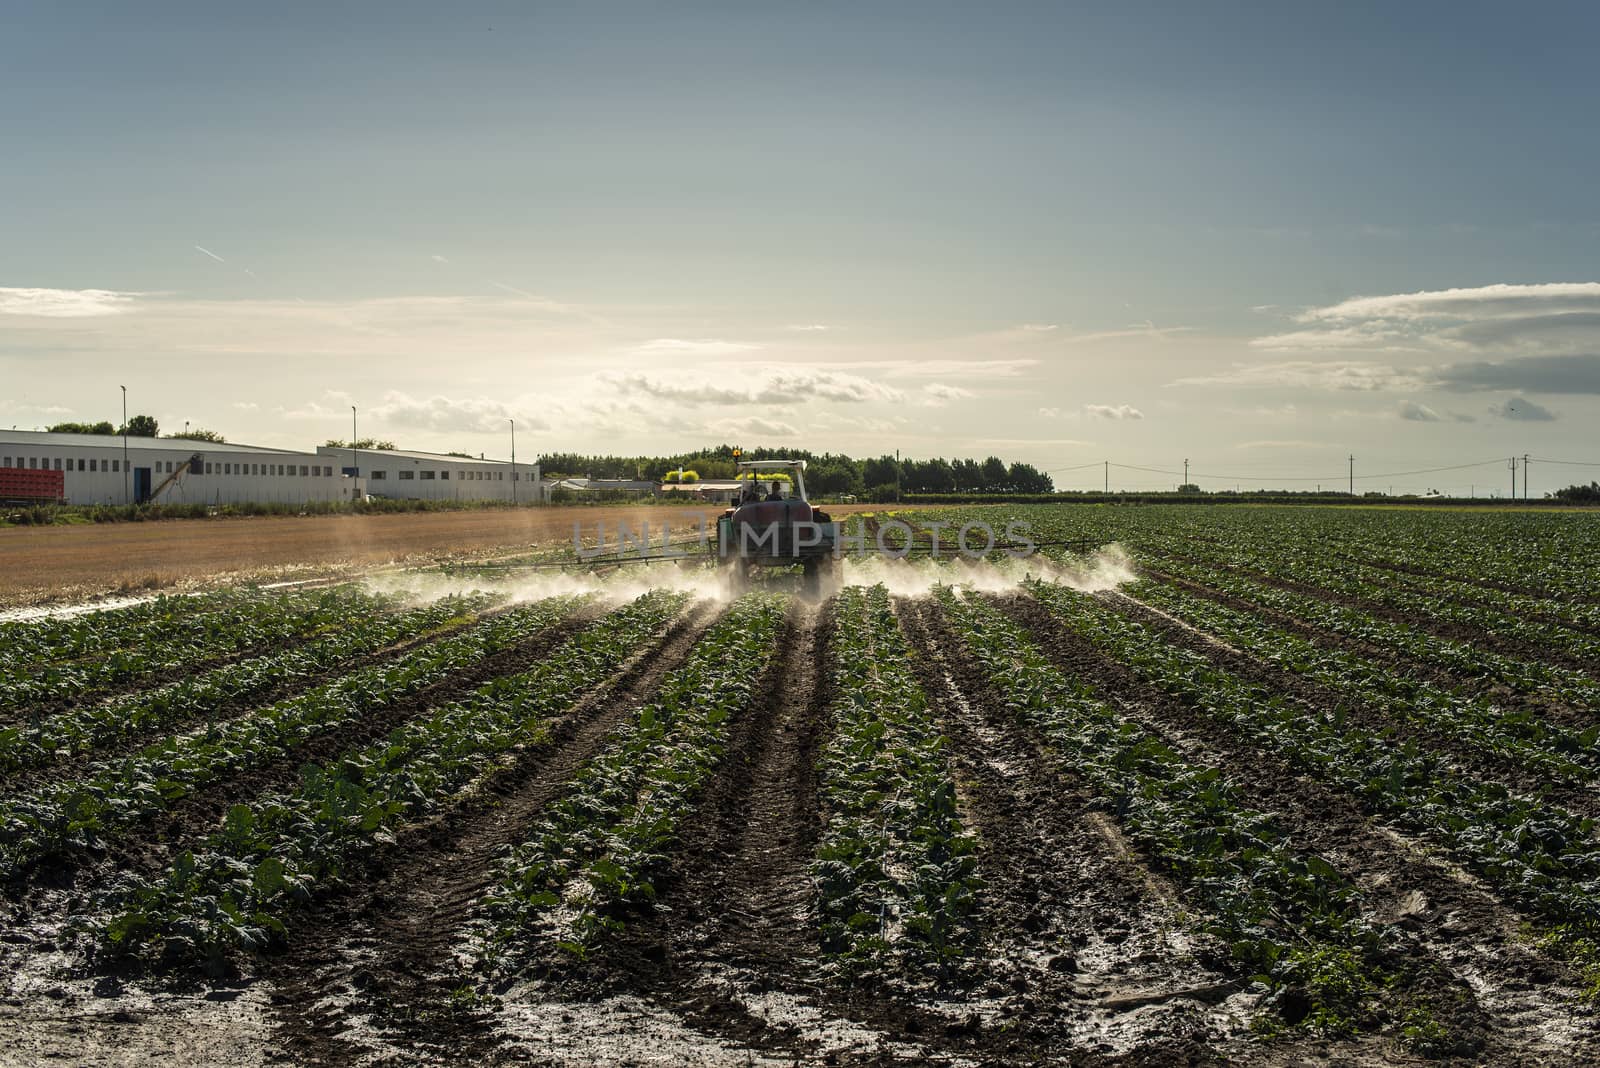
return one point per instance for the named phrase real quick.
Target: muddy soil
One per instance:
(1473, 963)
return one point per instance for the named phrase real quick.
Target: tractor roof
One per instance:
(771, 465)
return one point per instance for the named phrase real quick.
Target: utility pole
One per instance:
(1352, 474)
(355, 466)
(125, 494)
(1524, 476)
(1108, 477)
(1185, 470)
(897, 476)
(1513, 478)
(513, 462)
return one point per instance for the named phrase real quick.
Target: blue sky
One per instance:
(1058, 232)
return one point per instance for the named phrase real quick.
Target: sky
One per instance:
(1262, 238)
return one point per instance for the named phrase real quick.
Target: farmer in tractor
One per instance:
(776, 494)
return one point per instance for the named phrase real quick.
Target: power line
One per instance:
(1566, 463)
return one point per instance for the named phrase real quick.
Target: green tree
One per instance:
(361, 443)
(198, 434)
(995, 476)
(102, 427)
(143, 426)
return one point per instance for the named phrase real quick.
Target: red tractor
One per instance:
(774, 525)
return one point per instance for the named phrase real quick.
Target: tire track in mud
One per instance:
(379, 956)
(1077, 931)
(735, 954)
(738, 894)
(1499, 989)
(1475, 762)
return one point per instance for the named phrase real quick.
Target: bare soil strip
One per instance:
(1498, 989)
(1082, 940)
(380, 954)
(1471, 760)
(738, 895)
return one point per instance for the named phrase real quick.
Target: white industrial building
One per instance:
(105, 469)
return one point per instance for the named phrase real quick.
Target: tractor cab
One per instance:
(773, 524)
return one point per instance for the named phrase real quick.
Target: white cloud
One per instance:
(1521, 409)
(246, 406)
(1112, 411)
(1050, 413)
(64, 303)
(776, 387)
(1418, 413)
(1311, 374)
(757, 425)
(942, 368)
(1476, 303)
(937, 394)
(709, 346)
(1039, 328)
(469, 415)
(807, 327)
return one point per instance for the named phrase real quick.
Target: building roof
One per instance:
(114, 441)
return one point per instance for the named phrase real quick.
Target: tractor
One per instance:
(772, 524)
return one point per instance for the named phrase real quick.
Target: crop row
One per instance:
(236, 890)
(1233, 861)
(249, 624)
(1537, 854)
(1309, 566)
(895, 871)
(1460, 658)
(601, 848)
(1518, 735)
(220, 633)
(113, 795)
(163, 618)
(87, 727)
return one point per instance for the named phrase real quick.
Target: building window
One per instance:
(33, 463)
(58, 463)
(427, 476)
(407, 475)
(444, 476)
(8, 461)
(94, 465)
(80, 466)
(379, 476)
(208, 467)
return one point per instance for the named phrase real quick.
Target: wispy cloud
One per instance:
(64, 303)
(775, 388)
(1418, 413)
(459, 414)
(1520, 409)
(1310, 374)
(1475, 303)
(938, 394)
(756, 425)
(1112, 411)
(808, 328)
(1536, 374)
(205, 251)
(705, 346)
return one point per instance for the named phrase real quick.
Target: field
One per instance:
(1246, 785)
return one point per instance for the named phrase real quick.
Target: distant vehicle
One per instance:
(775, 525)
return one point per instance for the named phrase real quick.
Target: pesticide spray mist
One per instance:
(1106, 569)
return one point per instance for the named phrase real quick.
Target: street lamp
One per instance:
(355, 469)
(513, 423)
(124, 444)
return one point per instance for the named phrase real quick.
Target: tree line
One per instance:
(139, 426)
(826, 473)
